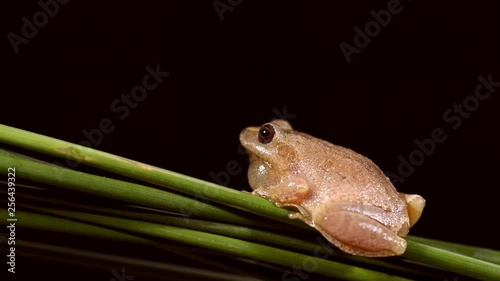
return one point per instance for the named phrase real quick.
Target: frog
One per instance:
(339, 192)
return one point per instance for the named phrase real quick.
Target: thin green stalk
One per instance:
(46, 197)
(116, 189)
(238, 248)
(234, 231)
(441, 256)
(241, 232)
(144, 172)
(225, 229)
(136, 266)
(48, 223)
(451, 261)
(488, 255)
(51, 223)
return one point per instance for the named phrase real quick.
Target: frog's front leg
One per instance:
(356, 233)
(290, 191)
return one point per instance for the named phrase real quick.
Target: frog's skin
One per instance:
(341, 193)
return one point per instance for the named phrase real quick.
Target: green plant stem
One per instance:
(236, 247)
(234, 231)
(488, 255)
(106, 261)
(116, 189)
(51, 223)
(441, 255)
(246, 233)
(59, 199)
(144, 172)
(451, 261)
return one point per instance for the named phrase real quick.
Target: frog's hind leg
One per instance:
(358, 234)
(415, 204)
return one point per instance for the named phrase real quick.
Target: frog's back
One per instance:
(342, 174)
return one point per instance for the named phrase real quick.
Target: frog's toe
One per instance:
(415, 204)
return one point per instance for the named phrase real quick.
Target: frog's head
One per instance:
(270, 151)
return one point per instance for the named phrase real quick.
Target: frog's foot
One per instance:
(415, 204)
(358, 234)
(302, 215)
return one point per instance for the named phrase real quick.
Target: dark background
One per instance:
(264, 57)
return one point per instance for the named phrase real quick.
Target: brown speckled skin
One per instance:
(341, 193)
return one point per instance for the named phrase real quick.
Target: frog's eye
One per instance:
(266, 134)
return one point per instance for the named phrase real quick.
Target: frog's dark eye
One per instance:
(266, 134)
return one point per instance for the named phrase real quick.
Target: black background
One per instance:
(264, 57)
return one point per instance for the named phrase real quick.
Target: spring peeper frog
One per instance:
(341, 193)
